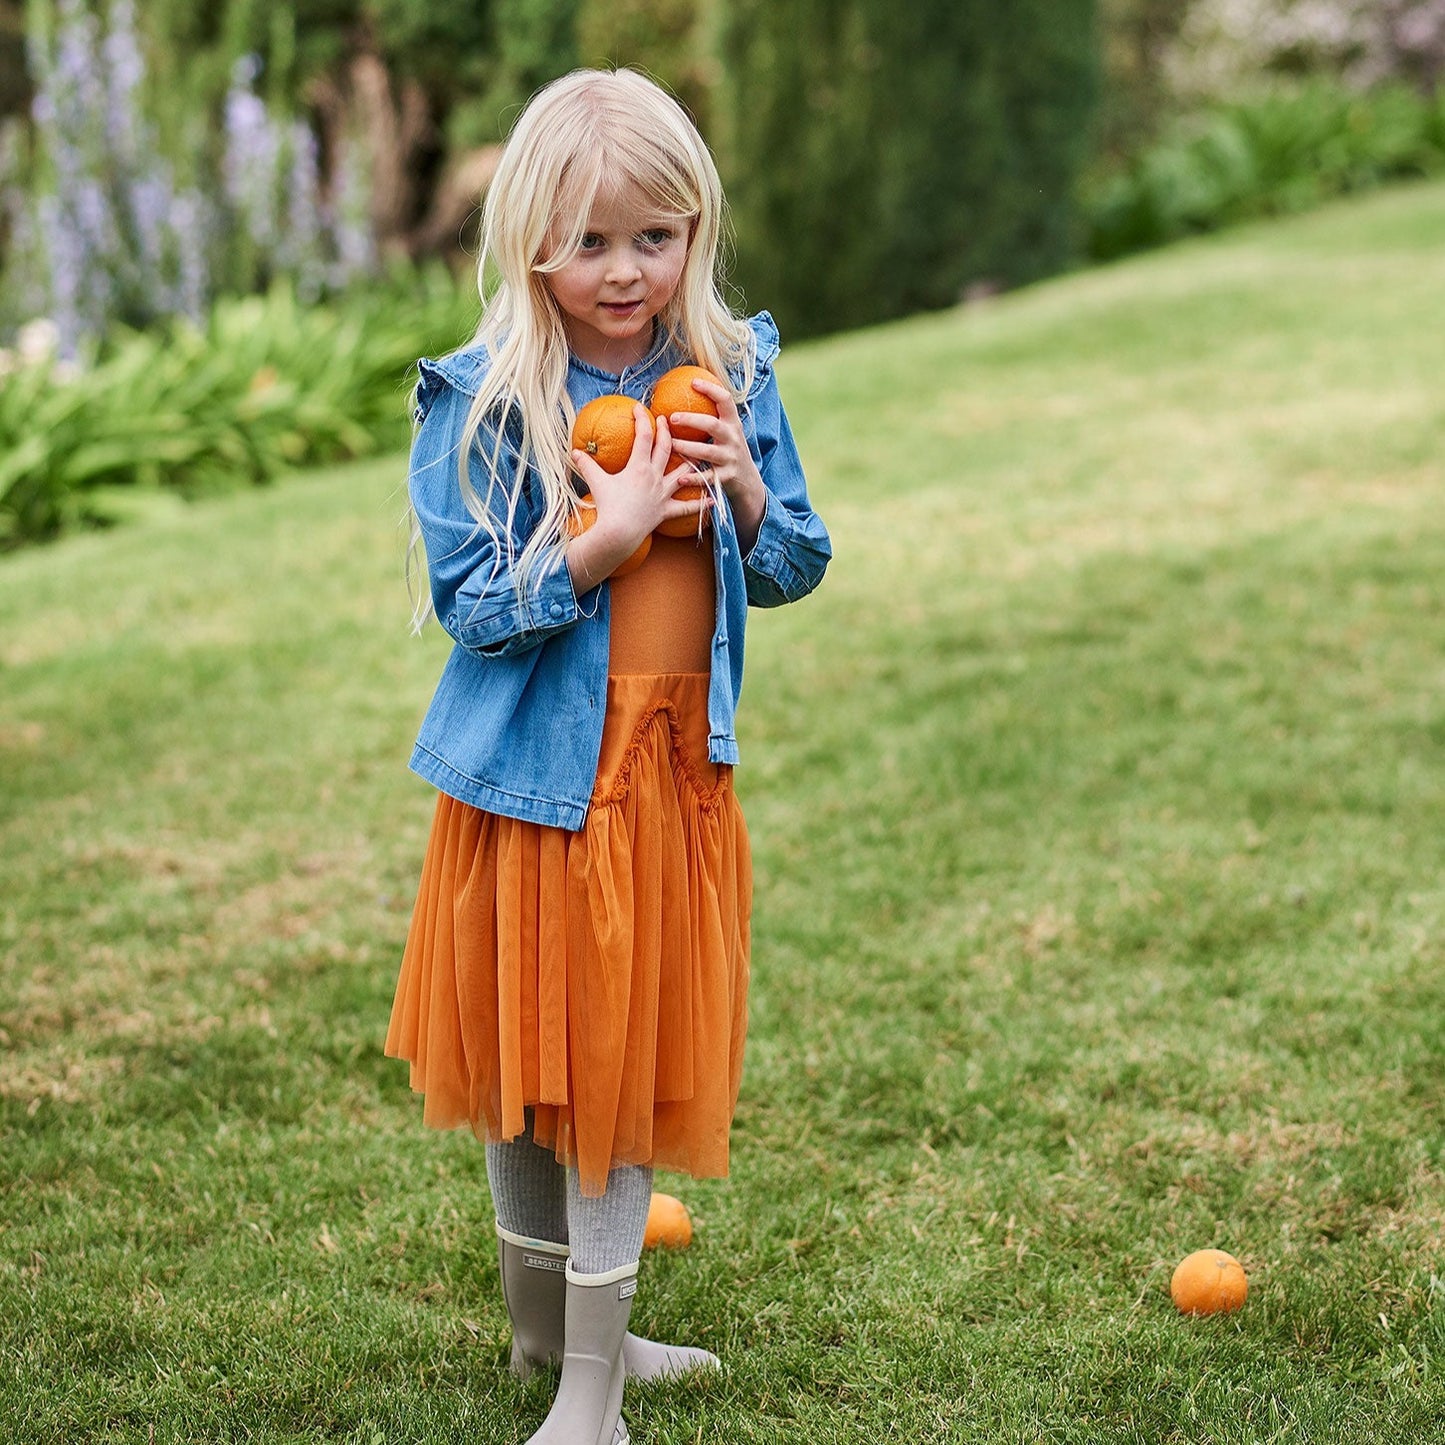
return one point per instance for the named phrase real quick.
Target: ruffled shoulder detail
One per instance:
(462, 370)
(766, 345)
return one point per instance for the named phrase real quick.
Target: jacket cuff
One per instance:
(769, 555)
(513, 621)
(553, 602)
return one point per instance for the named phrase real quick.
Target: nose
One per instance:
(622, 267)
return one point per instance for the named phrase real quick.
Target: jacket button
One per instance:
(556, 609)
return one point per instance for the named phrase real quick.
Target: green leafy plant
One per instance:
(269, 385)
(1273, 155)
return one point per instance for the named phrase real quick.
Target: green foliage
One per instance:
(671, 40)
(1135, 97)
(14, 84)
(447, 47)
(533, 41)
(537, 40)
(1273, 155)
(881, 158)
(268, 386)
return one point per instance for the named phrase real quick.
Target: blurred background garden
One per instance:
(240, 222)
(1095, 798)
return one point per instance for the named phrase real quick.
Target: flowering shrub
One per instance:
(106, 234)
(284, 222)
(102, 233)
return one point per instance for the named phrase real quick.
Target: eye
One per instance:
(657, 236)
(591, 242)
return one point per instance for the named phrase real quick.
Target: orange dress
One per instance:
(600, 977)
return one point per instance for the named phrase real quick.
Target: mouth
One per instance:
(621, 308)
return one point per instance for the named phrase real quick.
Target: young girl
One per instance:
(574, 985)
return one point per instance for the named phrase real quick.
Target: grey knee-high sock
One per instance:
(606, 1233)
(528, 1188)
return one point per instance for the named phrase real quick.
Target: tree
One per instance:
(882, 158)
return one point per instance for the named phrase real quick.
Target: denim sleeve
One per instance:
(792, 551)
(476, 593)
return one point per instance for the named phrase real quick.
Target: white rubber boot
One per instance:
(535, 1290)
(588, 1407)
(648, 1360)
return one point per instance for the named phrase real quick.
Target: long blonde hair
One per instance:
(581, 137)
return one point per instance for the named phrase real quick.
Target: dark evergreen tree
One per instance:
(881, 158)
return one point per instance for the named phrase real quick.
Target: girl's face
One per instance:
(627, 269)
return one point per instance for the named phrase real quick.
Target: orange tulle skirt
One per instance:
(597, 978)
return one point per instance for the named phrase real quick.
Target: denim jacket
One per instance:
(515, 726)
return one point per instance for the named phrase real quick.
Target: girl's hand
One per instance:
(726, 455)
(630, 503)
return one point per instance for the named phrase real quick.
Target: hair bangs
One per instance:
(581, 181)
(666, 180)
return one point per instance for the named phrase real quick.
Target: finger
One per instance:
(705, 421)
(720, 397)
(587, 468)
(686, 475)
(662, 442)
(645, 437)
(712, 390)
(676, 507)
(697, 420)
(707, 453)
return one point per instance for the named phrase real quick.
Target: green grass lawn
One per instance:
(1097, 814)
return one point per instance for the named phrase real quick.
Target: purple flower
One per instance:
(150, 203)
(300, 251)
(253, 154)
(190, 228)
(66, 255)
(124, 72)
(350, 214)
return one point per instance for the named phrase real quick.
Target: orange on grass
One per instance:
(605, 430)
(687, 492)
(674, 392)
(586, 518)
(668, 1223)
(1208, 1282)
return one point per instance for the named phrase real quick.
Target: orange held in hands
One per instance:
(1208, 1282)
(668, 1223)
(585, 518)
(674, 392)
(605, 430)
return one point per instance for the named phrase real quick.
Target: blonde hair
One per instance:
(582, 138)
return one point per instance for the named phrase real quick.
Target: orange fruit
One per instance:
(687, 492)
(1208, 1282)
(605, 430)
(583, 520)
(668, 1223)
(674, 392)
